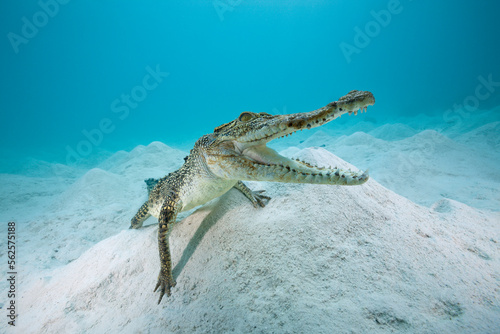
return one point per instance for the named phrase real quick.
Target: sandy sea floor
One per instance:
(415, 249)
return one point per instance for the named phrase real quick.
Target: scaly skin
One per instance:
(237, 151)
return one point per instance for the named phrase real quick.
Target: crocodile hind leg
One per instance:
(171, 207)
(254, 196)
(140, 216)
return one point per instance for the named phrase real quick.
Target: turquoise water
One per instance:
(414, 250)
(81, 77)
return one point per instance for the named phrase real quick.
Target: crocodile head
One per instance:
(237, 150)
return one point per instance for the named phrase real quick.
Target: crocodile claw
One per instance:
(165, 283)
(259, 199)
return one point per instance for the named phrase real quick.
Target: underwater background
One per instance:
(77, 75)
(97, 96)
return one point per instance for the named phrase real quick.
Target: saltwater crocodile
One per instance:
(237, 151)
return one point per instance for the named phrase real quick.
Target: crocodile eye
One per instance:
(245, 116)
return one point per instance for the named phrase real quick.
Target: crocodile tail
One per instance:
(151, 183)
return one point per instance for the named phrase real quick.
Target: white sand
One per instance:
(316, 259)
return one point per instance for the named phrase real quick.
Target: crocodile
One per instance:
(236, 152)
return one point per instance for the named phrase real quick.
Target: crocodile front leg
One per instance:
(254, 196)
(140, 216)
(168, 213)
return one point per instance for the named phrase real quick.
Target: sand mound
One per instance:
(391, 132)
(316, 259)
(485, 136)
(149, 161)
(425, 167)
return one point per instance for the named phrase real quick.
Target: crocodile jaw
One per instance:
(263, 131)
(248, 158)
(261, 163)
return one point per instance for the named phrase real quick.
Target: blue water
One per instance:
(67, 67)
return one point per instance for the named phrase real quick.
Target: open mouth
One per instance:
(245, 156)
(269, 164)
